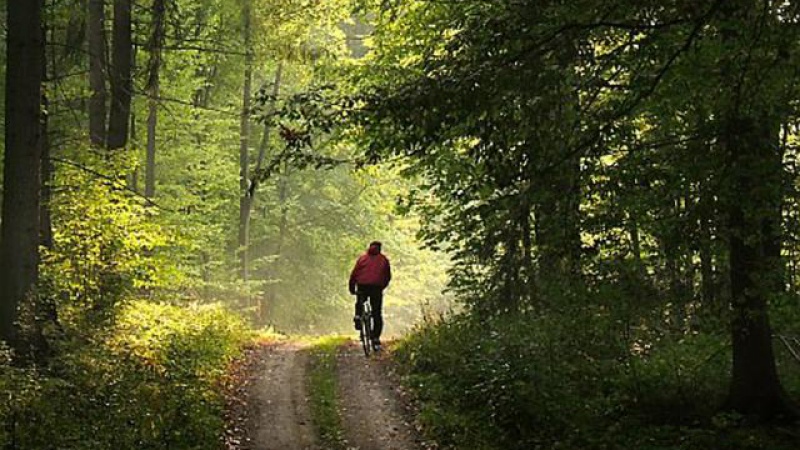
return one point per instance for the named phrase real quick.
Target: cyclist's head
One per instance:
(375, 247)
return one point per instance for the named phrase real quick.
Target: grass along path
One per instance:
(322, 389)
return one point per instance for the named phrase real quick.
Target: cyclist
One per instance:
(370, 276)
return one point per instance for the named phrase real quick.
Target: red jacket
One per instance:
(372, 268)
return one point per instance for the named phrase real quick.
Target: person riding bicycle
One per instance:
(370, 276)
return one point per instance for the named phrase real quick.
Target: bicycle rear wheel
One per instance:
(366, 334)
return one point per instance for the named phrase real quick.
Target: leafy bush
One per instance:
(152, 381)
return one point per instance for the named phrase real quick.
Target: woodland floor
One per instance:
(273, 411)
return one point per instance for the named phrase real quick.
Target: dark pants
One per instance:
(375, 296)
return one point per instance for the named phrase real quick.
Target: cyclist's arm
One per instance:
(353, 274)
(352, 286)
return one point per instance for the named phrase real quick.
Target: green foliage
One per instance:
(104, 244)
(152, 381)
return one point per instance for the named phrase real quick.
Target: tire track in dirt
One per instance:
(279, 417)
(373, 415)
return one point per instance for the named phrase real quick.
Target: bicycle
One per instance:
(365, 334)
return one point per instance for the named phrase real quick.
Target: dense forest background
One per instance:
(609, 190)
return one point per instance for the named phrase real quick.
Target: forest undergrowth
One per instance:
(155, 379)
(573, 380)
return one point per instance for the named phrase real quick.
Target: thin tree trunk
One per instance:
(19, 237)
(133, 177)
(46, 224)
(201, 99)
(97, 72)
(558, 230)
(707, 207)
(121, 84)
(271, 297)
(75, 35)
(636, 245)
(152, 124)
(135, 180)
(528, 287)
(244, 149)
(283, 197)
(153, 85)
(672, 266)
(707, 273)
(264, 146)
(632, 224)
(44, 308)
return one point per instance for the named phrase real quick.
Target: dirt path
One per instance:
(275, 411)
(278, 411)
(373, 414)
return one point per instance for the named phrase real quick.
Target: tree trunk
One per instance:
(244, 149)
(19, 238)
(754, 197)
(121, 85)
(753, 193)
(263, 306)
(97, 72)
(153, 85)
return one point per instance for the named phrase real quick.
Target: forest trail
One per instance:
(371, 407)
(278, 416)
